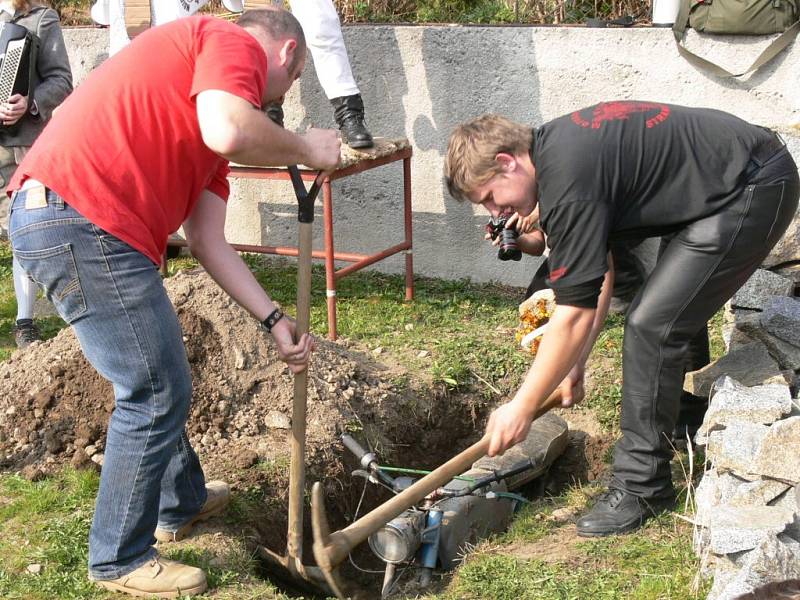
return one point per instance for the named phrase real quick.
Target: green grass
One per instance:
(654, 563)
(46, 523)
(466, 329)
(634, 567)
(467, 332)
(76, 12)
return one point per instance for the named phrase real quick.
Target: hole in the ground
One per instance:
(241, 417)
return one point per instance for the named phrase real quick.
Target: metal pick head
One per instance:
(322, 532)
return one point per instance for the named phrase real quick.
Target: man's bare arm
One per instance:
(238, 131)
(205, 233)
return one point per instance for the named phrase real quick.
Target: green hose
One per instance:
(420, 472)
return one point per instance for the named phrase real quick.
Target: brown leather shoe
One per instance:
(160, 578)
(219, 494)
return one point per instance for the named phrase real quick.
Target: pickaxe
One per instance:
(290, 568)
(330, 549)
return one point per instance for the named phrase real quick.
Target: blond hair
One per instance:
(473, 146)
(25, 5)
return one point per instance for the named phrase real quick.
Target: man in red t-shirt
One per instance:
(141, 148)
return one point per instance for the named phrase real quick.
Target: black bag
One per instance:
(738, 17)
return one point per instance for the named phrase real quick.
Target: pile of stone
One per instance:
(748, 502)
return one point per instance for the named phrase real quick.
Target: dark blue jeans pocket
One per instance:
(55, 271)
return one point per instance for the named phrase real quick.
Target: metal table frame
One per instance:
(329, 254)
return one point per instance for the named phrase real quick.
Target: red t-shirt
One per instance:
(125, 149)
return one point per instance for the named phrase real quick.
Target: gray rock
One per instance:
(734, 402)
(758, 493)
(791, 272)
(749, 327)
(736, 447)
(277, 420)
(779, 454)
(776, 558)
(714, 489)
(788, 247)
(546, 441)
(744, 528)
(790, 501)
(737, 338)
(724, 570)
(781, 318)
(750, 365)
(760, 288)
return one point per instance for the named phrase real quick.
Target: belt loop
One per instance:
(55, 200)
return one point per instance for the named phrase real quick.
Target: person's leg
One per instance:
(323, 32)
(692, 409)
(699, 270)
(25, 291)
(115, 301)
(25, 330)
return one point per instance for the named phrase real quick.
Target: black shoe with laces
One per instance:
(617, 512)
(349, 114)
(26, 332)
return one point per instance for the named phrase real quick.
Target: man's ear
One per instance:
(286, 52)
(507, 162)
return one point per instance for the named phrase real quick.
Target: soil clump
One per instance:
(54, 410)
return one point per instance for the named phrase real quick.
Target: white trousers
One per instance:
(323, 32)
(319, 21)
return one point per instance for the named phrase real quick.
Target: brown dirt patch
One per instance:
(584, 460)
(54, 409)
(556, 548)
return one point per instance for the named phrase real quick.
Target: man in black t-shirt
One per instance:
(722, 190)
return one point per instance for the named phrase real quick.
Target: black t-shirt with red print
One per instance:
(631, 169)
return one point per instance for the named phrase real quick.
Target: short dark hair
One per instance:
(277, 24)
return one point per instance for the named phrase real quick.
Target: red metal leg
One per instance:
(358, 260)
(407, 222)
(330, 273)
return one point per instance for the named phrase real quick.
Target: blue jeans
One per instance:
(113, 297)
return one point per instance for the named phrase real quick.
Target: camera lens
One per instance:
(509, 250)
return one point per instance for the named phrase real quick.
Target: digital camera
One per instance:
(509, 250)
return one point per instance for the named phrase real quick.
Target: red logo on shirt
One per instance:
(620, 111)
(558, 273)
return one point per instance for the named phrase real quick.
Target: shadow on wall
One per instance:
(507, 84)
(419, 84)
(371, 201)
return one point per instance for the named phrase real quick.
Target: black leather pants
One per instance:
(699, 270)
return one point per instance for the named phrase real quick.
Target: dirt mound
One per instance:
(54, 407)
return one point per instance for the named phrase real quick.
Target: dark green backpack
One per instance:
(738, 17)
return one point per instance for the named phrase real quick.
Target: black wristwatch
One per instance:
(273, 317)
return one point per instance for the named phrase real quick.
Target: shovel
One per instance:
(330, 549)
(290, 568)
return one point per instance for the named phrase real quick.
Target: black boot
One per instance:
(618, 512)
(349, 114)
(275, 112)
(26, 332)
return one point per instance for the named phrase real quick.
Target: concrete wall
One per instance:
(419, 82)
